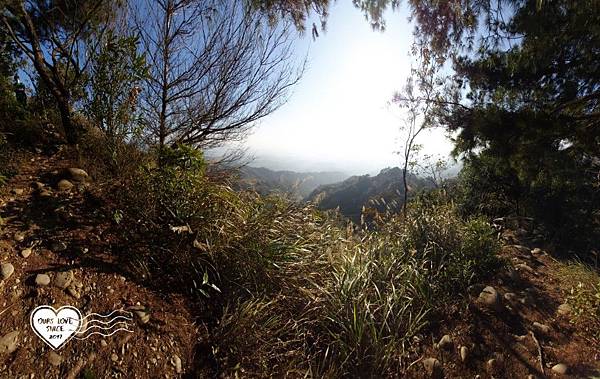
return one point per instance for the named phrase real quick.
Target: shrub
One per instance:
(583, 284)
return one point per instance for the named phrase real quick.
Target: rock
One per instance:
(433, 367)
(524, 267)
(25, 253)
(445, 343)
(54, 359)
(64, 185)
(492, 364)
(73, 292)
(17, 191)
(77, 174)
(19, 237)
(114, 357)
(141, 313)
(63, 279)
(514, 276)
(103, 343)
(560, 368)
(510, 297)
(6, 270)
(464, 353)
(489, 296)
(9, 342)
(42, 280)
(536, 251)
(59, 246)
(565, 309)
(545, 329)
(177, 363)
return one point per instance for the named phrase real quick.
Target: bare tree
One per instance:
(216, 68)
(54, 36)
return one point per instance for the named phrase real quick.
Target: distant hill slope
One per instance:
(296, 184)
(358, 191)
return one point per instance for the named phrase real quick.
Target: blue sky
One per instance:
(338, 117)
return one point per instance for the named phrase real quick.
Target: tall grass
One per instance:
(293, 291)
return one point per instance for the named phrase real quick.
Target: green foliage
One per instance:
(583, 295)
(115, 74)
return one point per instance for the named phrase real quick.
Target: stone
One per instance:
(17, 191)
(19, 237)
(9, 342)
(103, 343)
(541, 327)
(59, 246)
(564, 309)
(63, 279)
(510, 297)
(433, 367)
(6, 270)
(492, 364)
(464, 353)
(489, 297)
(54, 359)
(64, 185)
(141, 313)
(177, 363)
(445, 343)
(524, 267)
(77, 174)
(560, 368)
(42, 280)
(536, 251)
(73, 292)
(25, 253)
(114, 357)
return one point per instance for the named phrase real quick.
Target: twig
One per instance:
(540, 353)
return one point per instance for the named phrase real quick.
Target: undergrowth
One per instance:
(292, 291)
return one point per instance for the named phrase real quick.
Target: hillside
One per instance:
(297, 185)
(521, 320)
(357, 192)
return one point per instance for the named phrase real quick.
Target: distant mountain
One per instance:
(298, 185)
(384, 190)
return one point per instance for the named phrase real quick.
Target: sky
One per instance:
(338, 117)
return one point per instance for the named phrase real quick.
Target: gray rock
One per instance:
(565, 309)
(77, 174)
(6, 270)
(177, 363)
(54, 359)
(42, 280)
(64, 185)
(433, 367)
(9, 342)
(445, 343)
(560, 368)
(545, 329)
(25, 253)
(489, 297)
(63, 279)
(464, 353)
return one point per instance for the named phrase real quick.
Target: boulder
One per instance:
(42, 280)
(490, 298)
(560, 368)
(25, 253)
(464, 353)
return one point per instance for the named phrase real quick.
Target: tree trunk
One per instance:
(67, 122)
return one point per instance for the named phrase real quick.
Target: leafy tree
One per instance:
(116, 74)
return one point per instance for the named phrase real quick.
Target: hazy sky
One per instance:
(338, 117)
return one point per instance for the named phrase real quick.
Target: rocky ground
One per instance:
(59, 247)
